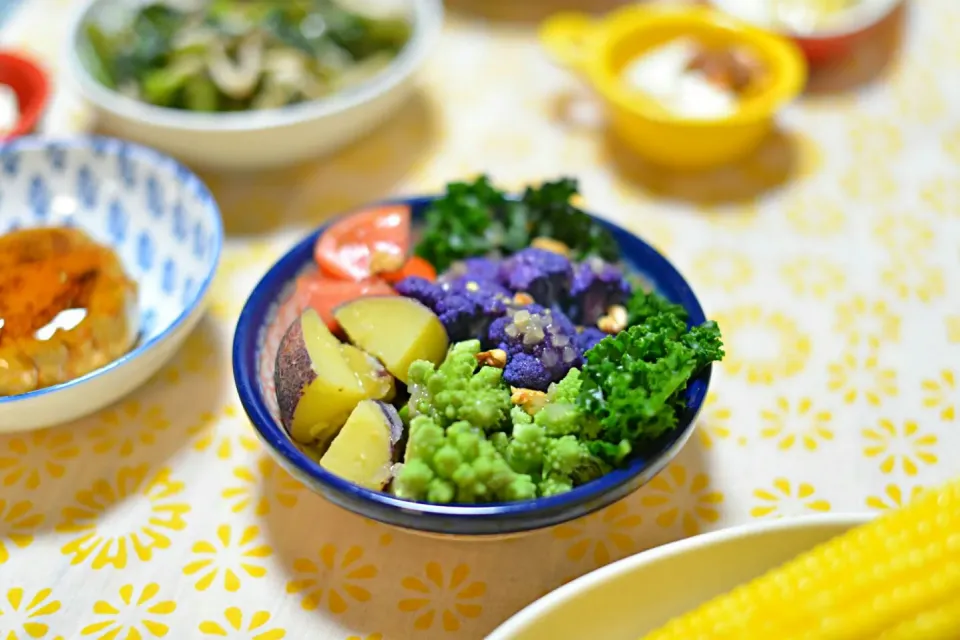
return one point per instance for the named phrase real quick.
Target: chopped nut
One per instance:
(607, 325)
(615, 321)
(529, 400)
(549, 244)
(472, 286)
(618, 313)
(493, 358)
(522, 298)
(385, 262)
(732, 70)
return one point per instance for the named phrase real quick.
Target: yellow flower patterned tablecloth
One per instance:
(831, 260)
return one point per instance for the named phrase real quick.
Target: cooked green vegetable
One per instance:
(457, 464)
(467, 443)
(562, 416)
(235, 55)
(633, 382)
(643, 305)
(453, 392)
(475, 219)
(552, 215)
(461, 224)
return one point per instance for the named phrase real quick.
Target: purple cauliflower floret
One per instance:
(545, 275)
(476, 269)
(588, 338)
(527, 372)
(465, 307)
(596, 286)
(421, 290)
(467, 285)
(468, 314)
(540, 345)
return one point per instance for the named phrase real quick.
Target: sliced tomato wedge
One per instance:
(324, 294)
(365, 243)
(415, 266)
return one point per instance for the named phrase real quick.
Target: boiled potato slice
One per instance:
(396, 330)
(364, 450)
(376, 381)
(316, 386)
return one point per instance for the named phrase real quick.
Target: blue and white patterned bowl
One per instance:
(270, 310)
(158, 217)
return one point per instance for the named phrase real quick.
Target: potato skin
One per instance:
(393, 419)
(293, 372)
(397, 432)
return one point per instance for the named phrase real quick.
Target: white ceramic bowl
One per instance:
(158, 217)
(260, 139)
(632, 597)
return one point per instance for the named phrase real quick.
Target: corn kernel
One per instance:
(896, 578)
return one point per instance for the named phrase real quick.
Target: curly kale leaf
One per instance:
(552, 215)
(475, 219)
(633, 382)
(459, 224)
(644, 306)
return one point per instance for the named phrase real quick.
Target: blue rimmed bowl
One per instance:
(153, 212)
(270, 310)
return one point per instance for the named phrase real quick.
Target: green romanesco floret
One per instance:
(456, 391)
(500, 440)
(568, 462)
(554, 485)
(563, 456)
(524, 451)
(562, 416)
(548, 446)
(567, 390)
(457, 464)
(519, 416)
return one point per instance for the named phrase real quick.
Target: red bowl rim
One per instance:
(31, 109)
(870, 17)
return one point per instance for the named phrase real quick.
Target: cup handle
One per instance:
(569, 39)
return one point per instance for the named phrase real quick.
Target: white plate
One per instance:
(159, 218)
(632, 597)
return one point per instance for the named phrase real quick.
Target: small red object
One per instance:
(415, 266)
(347, 249)
(29, 82)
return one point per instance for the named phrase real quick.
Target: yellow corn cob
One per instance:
(896, 578)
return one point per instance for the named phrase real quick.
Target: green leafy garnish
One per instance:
(633, 382)
(460, 224)
(552, 215)
(476, 219)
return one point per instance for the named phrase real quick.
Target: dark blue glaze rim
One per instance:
(492, 519)
(149, 156)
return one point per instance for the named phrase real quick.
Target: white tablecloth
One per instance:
(831, 260)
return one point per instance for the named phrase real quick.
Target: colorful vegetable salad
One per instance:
(530, 365)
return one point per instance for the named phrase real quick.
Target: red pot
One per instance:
(830, 44)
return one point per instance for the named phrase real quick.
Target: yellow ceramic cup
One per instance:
(600, 49)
